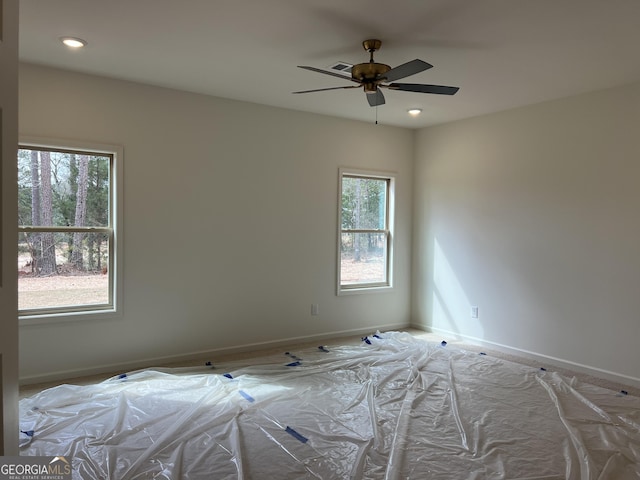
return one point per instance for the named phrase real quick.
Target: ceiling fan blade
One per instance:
(420, 88)
(406, 69)
(324, 89)
(319, 70)
(375, 99)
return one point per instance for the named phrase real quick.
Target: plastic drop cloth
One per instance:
(394, 407)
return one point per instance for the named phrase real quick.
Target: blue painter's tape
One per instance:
(375, 335)
(482, 353)
(122, 376)
(624, 392)
(366, 340)
(543, 369)
(296, 435)
(246, 396)
(209, 364)
(443, 343)
(228, 375)
(294, 364)
(28, 433)
(322, 348)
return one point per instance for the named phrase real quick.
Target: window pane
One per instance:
(62, 189)
(62, 269)
(364, 258)
(364, 203)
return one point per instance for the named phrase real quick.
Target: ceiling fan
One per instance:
(372, 76)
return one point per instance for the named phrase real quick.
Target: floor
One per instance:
(29, 390)
(390, 406)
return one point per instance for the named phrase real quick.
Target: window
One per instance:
(67, 230)
(365, 231)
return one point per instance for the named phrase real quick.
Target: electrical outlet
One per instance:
(474, 311)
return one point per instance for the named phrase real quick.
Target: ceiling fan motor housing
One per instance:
(369, 74)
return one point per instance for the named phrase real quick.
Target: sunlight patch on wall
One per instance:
(451, 308)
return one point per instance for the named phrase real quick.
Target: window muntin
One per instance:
(66, 234)
(365, 231)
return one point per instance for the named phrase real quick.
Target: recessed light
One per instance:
(73, 42)
(414, 112)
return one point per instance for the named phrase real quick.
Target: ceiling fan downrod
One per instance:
(371, 46)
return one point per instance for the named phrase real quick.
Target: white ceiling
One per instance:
(501, 53)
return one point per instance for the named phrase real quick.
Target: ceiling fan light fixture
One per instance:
(73, 42)
(414, 112)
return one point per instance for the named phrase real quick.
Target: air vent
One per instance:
(343, 68)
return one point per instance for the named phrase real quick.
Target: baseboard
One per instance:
(203, 354)
(557, 362)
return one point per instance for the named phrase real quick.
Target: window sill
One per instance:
(365, 290)
(66, 317)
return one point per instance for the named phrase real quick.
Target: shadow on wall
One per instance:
(451, 308)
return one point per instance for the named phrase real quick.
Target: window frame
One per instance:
(373, 287)
(85, 312)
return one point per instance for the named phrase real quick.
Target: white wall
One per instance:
(533, 215)
(230, 221)
(8, 227)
